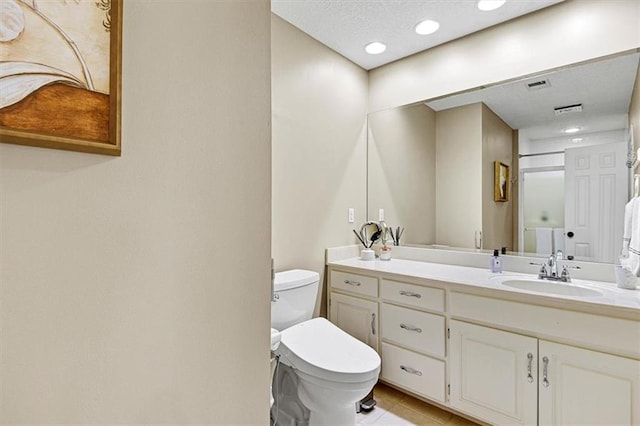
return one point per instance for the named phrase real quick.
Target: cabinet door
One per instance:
(579, 386)
(358, 317)
(493, 374)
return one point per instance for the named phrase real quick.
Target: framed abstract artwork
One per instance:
(60, 74)
(501, 182)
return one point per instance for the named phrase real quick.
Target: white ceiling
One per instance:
(603, 88)
(346, 26)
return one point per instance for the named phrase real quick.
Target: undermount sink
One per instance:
(552, 287)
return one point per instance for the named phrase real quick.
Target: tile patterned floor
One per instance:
(396, 408)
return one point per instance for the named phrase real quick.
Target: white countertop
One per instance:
(479, 278)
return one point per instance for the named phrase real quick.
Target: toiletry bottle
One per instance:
(385, 253)
(496, 263)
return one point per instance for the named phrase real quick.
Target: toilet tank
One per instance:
(295, 294)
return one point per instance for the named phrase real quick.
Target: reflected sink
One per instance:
(552, 287)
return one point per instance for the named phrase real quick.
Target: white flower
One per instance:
(11, 20)
(19, 79)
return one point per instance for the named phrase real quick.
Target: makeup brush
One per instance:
(360, 238)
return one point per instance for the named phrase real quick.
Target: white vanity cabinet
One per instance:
(497, 356)
(416, 330)
(493, 374)
(579, 386)
(354, 312)
(506, 378)
(413, 340)
(409, 331)
(358, 317)
(573, 384)
(415, 372)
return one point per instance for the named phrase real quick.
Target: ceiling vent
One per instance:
(567, 109)
(540, 84)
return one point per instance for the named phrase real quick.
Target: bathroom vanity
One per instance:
(475, 343)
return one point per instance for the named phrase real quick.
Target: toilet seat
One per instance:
(320, 349)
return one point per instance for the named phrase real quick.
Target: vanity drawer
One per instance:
(354, 283)
(414, 329)
(414, 295)
(418, 373)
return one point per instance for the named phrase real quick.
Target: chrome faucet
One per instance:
(552, 274)
(553, 266)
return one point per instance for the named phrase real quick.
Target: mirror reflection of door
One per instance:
(576, 208)
(542, 210)
(597, 190)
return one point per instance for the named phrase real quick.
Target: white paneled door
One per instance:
(596, 191)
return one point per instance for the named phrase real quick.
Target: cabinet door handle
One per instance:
(373, 324)
(353, 283)
(410, 328)
(411, 370)
(545, 364)
(530, 361)
(410, 294)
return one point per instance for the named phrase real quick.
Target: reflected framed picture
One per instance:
(60, 74)
(501, 187)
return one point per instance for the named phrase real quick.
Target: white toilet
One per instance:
(275, 342)
(323, 371)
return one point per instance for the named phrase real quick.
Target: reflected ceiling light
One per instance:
(487, 5)
(576, 140)
(375, 48)
(427, 27)
(572, 130)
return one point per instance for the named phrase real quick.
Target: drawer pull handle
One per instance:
(530, 361)
(410, 294)
(373, 324)
(410, 328)
(545, 364)
(411, 370)
(353, 283)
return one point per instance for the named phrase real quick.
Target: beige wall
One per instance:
(401, 170)
(136, 289)
(319, 148)
(468, 141)
(497, 217)
(458, 175)
(569, 32)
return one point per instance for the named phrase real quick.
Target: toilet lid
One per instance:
(319, 348)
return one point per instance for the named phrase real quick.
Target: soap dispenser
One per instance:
(496, 262)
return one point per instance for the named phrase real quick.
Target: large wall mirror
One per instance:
(563, 137)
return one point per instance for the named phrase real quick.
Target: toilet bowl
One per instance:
(322, 370)
(333, 372)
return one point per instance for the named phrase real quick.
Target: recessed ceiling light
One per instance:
(576, 140)
(427, 27)
(375, 48)
(487, 5)
(572, 130)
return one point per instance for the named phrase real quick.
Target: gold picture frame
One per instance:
(501, 182)
(64, 93)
